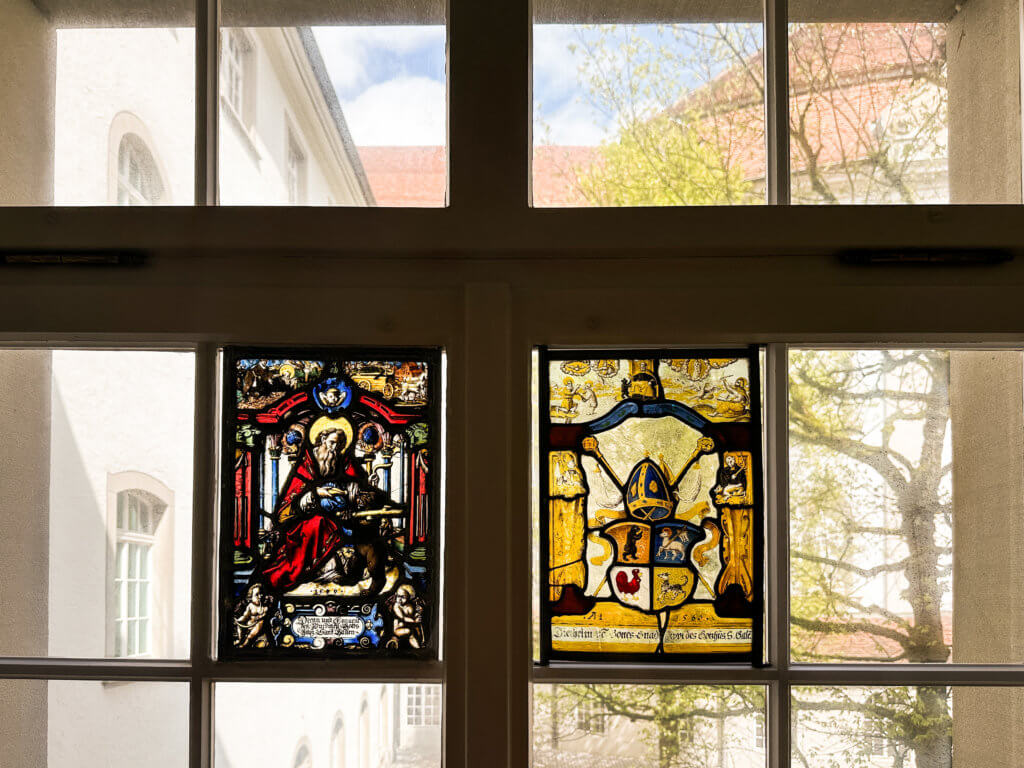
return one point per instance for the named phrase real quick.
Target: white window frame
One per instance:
(144, 489)
(590, 717)
(480, 722)
(237, 67)
(421, 706)
(295, 167)
(133, 593)
(489, 278)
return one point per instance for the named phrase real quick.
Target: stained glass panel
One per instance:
(651, 509)
(329, 528)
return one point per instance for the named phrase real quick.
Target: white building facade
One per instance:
(125, 117)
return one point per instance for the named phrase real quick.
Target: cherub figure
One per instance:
(251, 625)
(407, 618)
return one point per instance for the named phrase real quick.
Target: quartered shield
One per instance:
(651, 569)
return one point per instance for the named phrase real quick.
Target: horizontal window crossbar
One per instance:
(506, 231)
(336, 671)
(820, 674)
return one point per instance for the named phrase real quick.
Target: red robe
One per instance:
(306, 541)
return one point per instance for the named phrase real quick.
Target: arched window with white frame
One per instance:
(138, 516)
(138, 175)
(140, 569)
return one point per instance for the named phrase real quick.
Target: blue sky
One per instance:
(391, 84)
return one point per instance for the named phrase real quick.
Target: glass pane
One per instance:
(90, 91)
(329, 724)
(75, 724)
(133, 605)
(133, 561)
(899, 460)
(650, 502)
(79, 428)
(344, 106)
(869, 113)
(648, 103)
(122, 560)
(133, 636)
(333, 526)
(899, 104)
(923, 727)
(655, 726)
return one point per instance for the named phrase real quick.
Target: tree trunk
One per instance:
(931, 736)
(668, 729)
(668, 743)
(934, 749)
(720, 725)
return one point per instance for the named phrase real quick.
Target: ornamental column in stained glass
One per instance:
(274, 451)
(243, 499)
(401, 470)
(385, 470)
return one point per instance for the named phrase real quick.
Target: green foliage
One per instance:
(673, 145)
(661, 161)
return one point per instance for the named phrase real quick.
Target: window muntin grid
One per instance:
(137, 519)
(234, 71)
(423, 705)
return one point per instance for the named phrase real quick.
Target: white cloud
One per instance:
(555, 67)
(406, 111)
(349, 52)
(344, 57)
(573, 124)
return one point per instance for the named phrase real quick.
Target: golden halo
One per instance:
(324, 422)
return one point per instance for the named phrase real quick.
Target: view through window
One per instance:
(644, 104)
(635, 104)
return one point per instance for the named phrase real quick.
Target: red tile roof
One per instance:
(555, 172)
(843, 79)
(416, 176)
(856, 645)
(406, 176)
